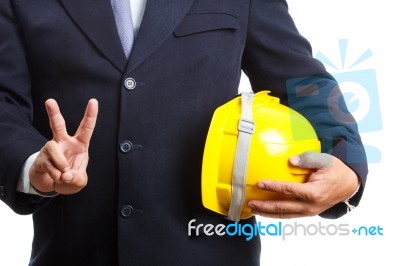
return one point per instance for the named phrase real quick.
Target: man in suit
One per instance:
(131, 204)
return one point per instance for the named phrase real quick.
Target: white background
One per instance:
(366, 25)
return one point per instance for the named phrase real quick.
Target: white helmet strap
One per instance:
(246, 128)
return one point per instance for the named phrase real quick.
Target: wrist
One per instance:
(34, 191)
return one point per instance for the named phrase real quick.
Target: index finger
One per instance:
(86, 128)
(298, 190)
(57, 122)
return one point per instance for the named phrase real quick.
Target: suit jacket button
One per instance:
(125, 146)
(126, 211)
(130, 84)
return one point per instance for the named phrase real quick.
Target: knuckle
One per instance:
(37, 164)
(45, 148)
(79, 182)
(312, 210)
(315, 196)
(59, 126)
(320, 198)
(55, 175)
(286, 188)
(51, 144)
(48, 165)
(43, 164)
(279, 207)
(49, 147)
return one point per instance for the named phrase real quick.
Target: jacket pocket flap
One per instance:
(201, 22)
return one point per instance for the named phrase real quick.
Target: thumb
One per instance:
(312, 160)
(75, 179)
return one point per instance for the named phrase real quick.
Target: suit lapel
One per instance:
(96, 20)
(159, 21)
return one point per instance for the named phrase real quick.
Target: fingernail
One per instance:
(295, 160)
(261, 185)
(251, 205)
(67, 177)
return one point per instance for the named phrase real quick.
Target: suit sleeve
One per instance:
(276, 57)
(18, 138)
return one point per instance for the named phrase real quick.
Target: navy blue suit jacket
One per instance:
(186, 61)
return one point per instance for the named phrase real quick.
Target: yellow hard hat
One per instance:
(251, 138)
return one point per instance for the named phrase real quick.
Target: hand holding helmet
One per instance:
(262, 157)
(252, 138)
(330, 182)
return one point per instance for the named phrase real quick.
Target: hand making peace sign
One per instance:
(61, 164)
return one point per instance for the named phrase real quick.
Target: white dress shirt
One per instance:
(24, 185)
(137, 11)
